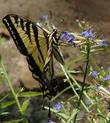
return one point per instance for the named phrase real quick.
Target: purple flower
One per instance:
(88, 34)
(106, 78)
(50, 121)
(102, 43)
(63, 36)
(94, 74)
(70, 38)
(58, 106)
(67, 36)
(44, 17)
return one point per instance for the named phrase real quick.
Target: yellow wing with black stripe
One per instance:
(36, 44)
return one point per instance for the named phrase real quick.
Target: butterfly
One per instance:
(39, 46)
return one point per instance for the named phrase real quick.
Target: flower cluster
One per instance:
(103, 75)
(67, 36)
(58, 106)
(106, 78)
(80, 39)
(94, 74)
(102, 43)
(76, 39)
(88, 34)
(44, 17)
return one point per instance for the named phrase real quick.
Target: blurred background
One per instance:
(63, 14)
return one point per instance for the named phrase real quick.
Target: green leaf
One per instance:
(4, 113)
(25, 105)
(3, 98)
(6, 104)
(30, 94)
(16, 121)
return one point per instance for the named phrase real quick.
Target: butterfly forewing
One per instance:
(31, 40)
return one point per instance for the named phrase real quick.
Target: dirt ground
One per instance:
(63, 13)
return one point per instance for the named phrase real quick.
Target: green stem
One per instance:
(68, 79)
(84, 79)
(11, 87)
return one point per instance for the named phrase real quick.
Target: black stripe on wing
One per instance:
(28, 29)
(21, 21)
(15, 35)
(22, 24)
(35, 30)
(34, 68)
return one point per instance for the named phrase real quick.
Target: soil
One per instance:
(62, 13)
